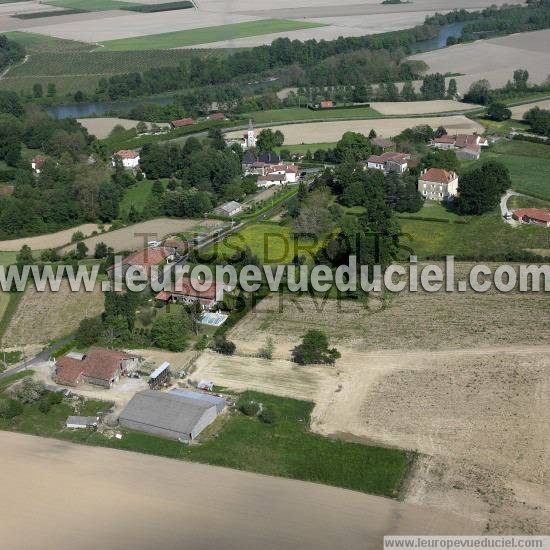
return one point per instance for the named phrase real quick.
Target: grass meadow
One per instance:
(270, 242)
(483, 236)
(191, 37)
(529, 165)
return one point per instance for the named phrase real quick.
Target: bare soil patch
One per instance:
(278, 377)
(45, 316)
(101, 127)
(420, 107)
(320, 132)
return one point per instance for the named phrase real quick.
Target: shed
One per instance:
(168, 415)
(82, 422)
(159, 375)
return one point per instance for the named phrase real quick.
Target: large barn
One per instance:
(168, 415)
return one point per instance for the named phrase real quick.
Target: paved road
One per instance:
(65, 496)
(41, 357)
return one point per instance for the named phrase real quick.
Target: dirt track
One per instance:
(142, 502)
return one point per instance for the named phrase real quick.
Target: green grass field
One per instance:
(205, 35)
(270, 242)
(529, 165)
(483, 236)
(286, 448)
(92, 5)
(7, 258)
(292, 114)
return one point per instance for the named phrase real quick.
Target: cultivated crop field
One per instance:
(455, 377)
(179, 39)
(315, 132)
(135, 237)
(494, 59)
(39, 43)
(520, 110)
(51, 240)
(405, 108)
(45, 316)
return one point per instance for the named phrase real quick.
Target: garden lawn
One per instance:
(205, 35)
(270, 242)
(294, 114)
(484, 236)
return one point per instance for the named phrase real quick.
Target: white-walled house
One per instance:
(437, 184)
(37, 163)
(278, 174)
(388, 162)
(129, 158)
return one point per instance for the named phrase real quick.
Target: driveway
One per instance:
(504, 206)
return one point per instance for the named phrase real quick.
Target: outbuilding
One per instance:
(168, 415)
(82, 422)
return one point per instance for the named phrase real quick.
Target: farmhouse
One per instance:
(437, 184)
(467, 146)
(129, 158)
(181, 122)
(100, 367)
(37, 163)
(532, 216)
(229, 209)
(144, 259)
(251, 164)
(188, 291)
(169, 415)
(278, 174)
(388, 162)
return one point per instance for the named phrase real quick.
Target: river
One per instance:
(100, 108)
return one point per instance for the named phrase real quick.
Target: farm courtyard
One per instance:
(468, 391)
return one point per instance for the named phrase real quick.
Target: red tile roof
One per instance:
(163, 296)
(147, 257)
(181, 122)
(328, 104)
(38, 161)
(532, 214)
(127, 154)
(438, 175)
(98, 363)
(217, 116)
(184, 286)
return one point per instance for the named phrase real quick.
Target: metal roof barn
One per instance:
(168, 415)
